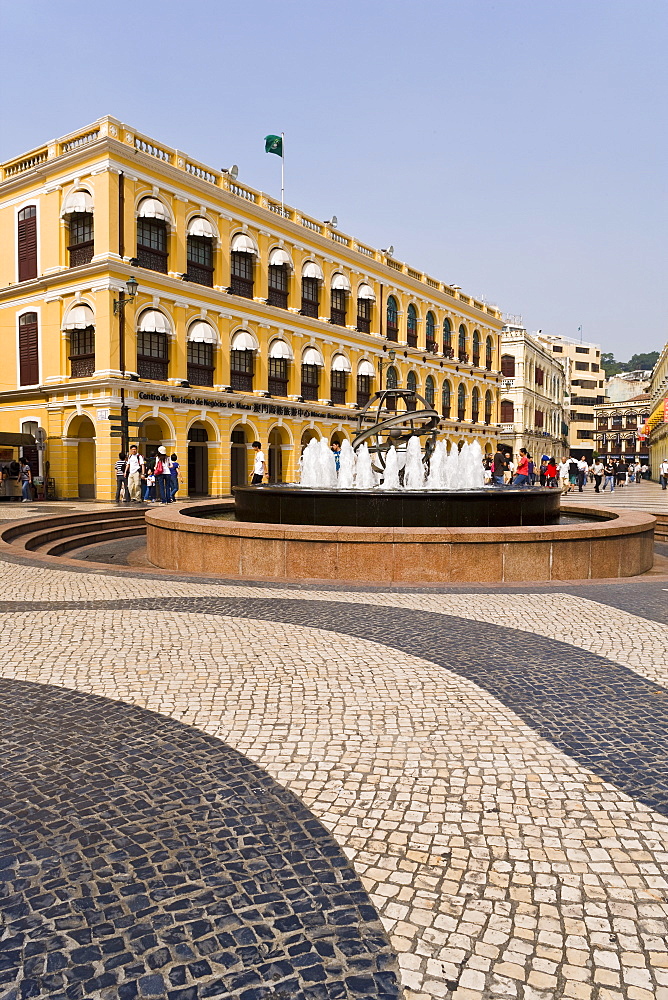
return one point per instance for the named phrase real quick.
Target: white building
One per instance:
(627, 385)
(533, 414)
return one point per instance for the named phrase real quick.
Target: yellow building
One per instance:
(657, 424)
(251, 320)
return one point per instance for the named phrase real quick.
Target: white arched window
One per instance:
(80, 324)
(201, 240)
(242, 361)
(312, 363)
(153, 221)
(153, 332)
(280, 266)
(242, 265)
(77, 211)
(312, 277)
(365, 376)
(280, 357)
(339, 378)
(339, 291)
(202, 342)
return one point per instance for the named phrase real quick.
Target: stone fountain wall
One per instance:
(619, 547)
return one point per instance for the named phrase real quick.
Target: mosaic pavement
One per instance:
(467, 790)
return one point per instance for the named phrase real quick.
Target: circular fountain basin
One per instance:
(489, 507)
(192, 539)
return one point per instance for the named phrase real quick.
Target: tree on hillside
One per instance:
(609, 365)
(644, 361)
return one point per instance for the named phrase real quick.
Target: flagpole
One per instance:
(282, 172)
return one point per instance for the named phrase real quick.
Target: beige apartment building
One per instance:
(533, 383)
(585, 382)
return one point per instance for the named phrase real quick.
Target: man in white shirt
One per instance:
(663, 474)
(133, 467)
(583, 469)
(598, 470)
(564, 474)
(259, 465)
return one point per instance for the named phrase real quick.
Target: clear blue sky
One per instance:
(516, 148)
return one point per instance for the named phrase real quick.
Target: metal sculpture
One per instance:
(400, 414)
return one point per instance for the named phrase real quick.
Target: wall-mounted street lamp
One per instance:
(120, 303)
(383, 364)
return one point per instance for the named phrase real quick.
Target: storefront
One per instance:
(12, 447)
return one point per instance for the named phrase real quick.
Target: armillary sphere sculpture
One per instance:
(399, 415)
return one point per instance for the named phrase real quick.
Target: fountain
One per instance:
(388, 478)
(397, 510)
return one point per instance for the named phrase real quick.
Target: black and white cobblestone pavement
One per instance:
(257, 791)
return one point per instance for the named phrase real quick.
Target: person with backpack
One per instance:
(163, 476)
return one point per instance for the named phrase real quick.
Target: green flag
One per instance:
(273, 144)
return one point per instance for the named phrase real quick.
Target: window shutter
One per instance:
(27, 233)
(28, 351)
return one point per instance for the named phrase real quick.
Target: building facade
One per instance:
(620, 430)
(657, 423)
(585, 387)
(250, 321)
(627, 385)
(532, 411)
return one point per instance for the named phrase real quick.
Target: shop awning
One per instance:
(153, 321)
(340, 363)
(8, 439)
(279, 256)
(151, 208)
(312, 356)
(366, 292)
(279, 349)
(202, 332)
(201, 227)
(312, 270)
(76, 203)
(365, 368)
(339, 281)
(243, 244)
(79, 318)
(243, 341)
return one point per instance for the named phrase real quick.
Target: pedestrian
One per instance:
(25, 475)
(542, 472)
(509, 471)
(148, 479)
(631, 472)
(522, 474)
(551, 474)
(610, 470)
(121, 478)
(532, 471)
(175, 478)
(663, 474)
(163, 475)
(620, 474)
(598, 470)
(133, 470)
(583, 469)
(498, 467)
(336, 450)
(259, 465)
(573, 473)
(564, 469)
(645, 471)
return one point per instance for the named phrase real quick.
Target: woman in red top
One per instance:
(522, 474)
(551, 472)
